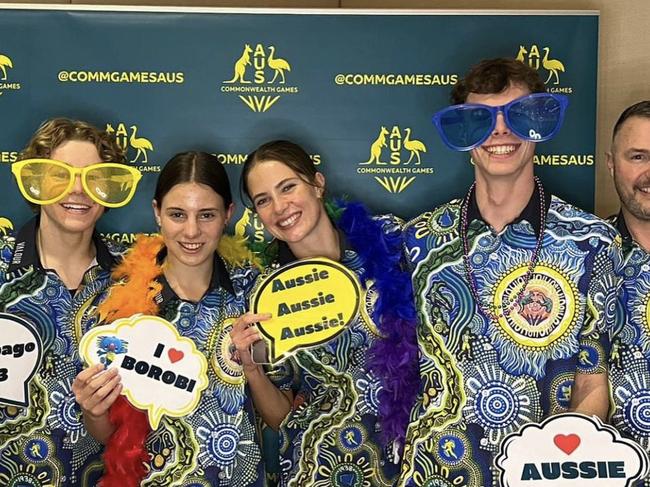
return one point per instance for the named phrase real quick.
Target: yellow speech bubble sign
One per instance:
(162, 372)
(311, 302)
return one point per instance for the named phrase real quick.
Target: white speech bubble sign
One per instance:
(21, 352)
(162, 373)
(570, 450)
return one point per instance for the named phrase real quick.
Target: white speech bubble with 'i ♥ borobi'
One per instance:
(21, 352)
(162, 372)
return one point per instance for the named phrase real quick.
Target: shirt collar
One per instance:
(220, 279)
(627, 240)
(26, 251)
(621, 226)
(531, 213)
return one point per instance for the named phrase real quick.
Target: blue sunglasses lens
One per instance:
(535, 118)
(464, 127)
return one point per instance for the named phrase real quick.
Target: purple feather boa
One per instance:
(394, 359)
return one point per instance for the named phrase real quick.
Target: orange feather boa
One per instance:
(135, 291)
(125, 456)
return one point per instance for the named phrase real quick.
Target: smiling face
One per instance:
(503, 154)
(629, 165)
(76, 212)
(192, 218)
(290, 208)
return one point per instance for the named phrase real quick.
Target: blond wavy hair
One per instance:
(54, 132)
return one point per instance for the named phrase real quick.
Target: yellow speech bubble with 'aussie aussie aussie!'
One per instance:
(162, 372)
(311, 301)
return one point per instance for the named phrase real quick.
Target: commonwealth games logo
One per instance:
(553, 67)
(6, 64)
(136, 147)
(395, 158)
(260, 77)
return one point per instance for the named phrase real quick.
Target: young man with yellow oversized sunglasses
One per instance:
(51, 274)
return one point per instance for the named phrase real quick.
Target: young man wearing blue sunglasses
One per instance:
(629, 165)
(512, 286)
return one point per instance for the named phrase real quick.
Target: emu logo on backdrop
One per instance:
(260, 76)
(554, 68)
(6, 65)
(136, 146)
(395, 158)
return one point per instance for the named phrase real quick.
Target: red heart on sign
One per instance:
(567, 443)
(175, 355)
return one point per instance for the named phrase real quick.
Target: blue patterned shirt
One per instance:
(482, 379)
(46, 443)
(217, 445)
(630, 355)
(331, 437)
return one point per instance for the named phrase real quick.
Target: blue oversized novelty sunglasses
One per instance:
(536, 118)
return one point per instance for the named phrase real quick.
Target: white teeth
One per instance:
(289, 221)
(73, 206)
(191, 246)
(645, 189)
(500, 149)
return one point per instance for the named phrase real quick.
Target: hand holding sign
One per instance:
(243, 335)
(21, 352)
(162, 372)
(96, 389)
(311, 302)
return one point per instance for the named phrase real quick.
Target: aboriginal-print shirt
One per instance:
(482, 379)
(46, 444)
(630, 354)
(331, 437)
(217, 445)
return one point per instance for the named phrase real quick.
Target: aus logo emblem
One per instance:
(396, 153)
(249, 228)
(532, 56)
(135, 146)
(260, 77)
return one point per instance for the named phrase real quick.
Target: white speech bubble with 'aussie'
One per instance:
(21, 352)
(570, 450)
(162, 372)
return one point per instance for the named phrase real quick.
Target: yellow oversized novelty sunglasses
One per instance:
(46, 181)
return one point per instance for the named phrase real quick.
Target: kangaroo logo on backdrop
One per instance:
(532, 56)
(136, 148)
(260, 77)
(249, 228)
(6, 64)
(395, 159)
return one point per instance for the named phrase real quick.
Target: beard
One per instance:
(631, 203)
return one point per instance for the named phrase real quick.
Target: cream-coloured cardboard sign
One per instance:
(311, 301)
(21, 352)
(162, 372)
(570, 450)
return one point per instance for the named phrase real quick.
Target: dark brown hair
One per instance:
(494, 76)
(640, 109)
(284, 151)
(194, 167)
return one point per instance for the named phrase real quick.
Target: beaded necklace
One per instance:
(490, 311)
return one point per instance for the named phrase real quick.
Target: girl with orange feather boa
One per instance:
(187, 275)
